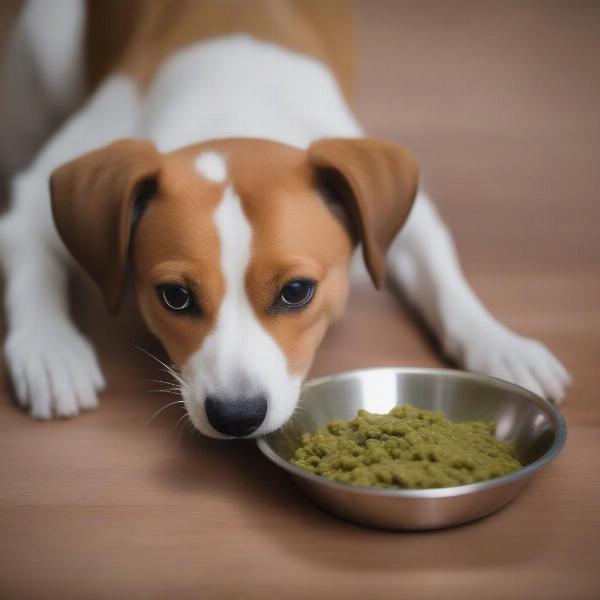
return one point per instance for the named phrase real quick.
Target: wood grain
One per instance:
(500, 103)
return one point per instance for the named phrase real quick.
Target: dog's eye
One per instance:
(297, 293)
(176, 298)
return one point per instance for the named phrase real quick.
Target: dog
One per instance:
(206, 149)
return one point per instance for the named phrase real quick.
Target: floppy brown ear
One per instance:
(376, 182)
(94, 199)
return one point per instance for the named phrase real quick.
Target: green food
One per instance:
(407, 448)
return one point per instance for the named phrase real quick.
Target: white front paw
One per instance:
(54, 369)
(520, 360)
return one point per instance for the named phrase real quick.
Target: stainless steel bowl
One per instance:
(532, 425)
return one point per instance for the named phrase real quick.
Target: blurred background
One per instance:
(500, 103)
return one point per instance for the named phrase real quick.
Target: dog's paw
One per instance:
(519, 360)
(54, 370)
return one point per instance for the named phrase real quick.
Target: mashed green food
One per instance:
(407, 448)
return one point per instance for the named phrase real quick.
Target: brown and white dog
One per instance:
(213, 155)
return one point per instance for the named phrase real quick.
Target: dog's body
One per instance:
(189, 75)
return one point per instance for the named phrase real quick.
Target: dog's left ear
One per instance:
(96, 200)
(375, 182)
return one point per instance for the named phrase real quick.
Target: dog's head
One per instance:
(240, 251)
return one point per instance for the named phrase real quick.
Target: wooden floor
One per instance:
(500, 102)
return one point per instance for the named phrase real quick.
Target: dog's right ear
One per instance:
(95, 201)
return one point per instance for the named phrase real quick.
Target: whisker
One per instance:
(169, 383)
(187, 425)
(169, 369)
(172, 391)
(159, 411)
(181, 418)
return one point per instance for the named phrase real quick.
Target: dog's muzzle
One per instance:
(237, 418)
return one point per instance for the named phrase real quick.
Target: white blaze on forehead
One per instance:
(239, 358)
(212, 166)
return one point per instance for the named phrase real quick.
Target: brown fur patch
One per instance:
(294, 235)
(176, 242)
(135, 36)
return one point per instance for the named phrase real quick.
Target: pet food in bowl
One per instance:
(405, 448)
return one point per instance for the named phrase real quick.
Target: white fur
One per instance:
(237, 86)
(233, 86)
(424, 263)
(211, 165)
(239, 358)
(53, 367)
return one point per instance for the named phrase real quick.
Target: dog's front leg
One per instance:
(422, 261)
(53, 367)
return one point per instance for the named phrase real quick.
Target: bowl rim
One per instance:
(525, 472)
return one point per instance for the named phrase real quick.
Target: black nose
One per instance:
(236, 417)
